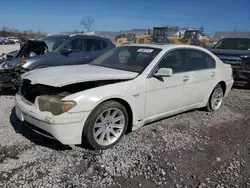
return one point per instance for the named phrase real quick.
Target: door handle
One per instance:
(185, 78)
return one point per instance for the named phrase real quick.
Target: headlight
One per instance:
(54, 105)
(22, 63)
(9, 64)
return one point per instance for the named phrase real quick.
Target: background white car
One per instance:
(122, 90)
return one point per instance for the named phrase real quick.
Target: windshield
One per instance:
(234, 44)
(128, 58)
(54, 42)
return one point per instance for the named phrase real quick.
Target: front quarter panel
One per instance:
(41, 60)
(132, 91)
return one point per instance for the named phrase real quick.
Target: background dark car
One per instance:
(67, 50)
(53, 50)
(236, 52)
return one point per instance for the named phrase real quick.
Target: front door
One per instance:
(165, 94)
(78, 54)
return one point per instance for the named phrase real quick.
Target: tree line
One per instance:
(7, 32)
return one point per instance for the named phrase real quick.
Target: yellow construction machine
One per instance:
(191, 37)
(143, 39)
(131, 38)
(125, 38)
(160, 35)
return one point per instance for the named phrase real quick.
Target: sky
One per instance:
(54, 16)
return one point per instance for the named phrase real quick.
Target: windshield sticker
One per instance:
(145, 50)
(248, 48)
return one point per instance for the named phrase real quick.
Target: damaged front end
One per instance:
(48, 98)
(10, 69)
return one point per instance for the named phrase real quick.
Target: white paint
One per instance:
(149, 98)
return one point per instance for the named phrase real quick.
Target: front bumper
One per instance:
(241, 77)
(66, 128)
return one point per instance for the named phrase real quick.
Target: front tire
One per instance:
(106, 125)
(215, 99)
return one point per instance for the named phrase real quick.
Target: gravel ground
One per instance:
(8, 48)
(193, 149)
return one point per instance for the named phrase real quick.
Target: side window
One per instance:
(198, 60)
(92, 45)
(104, 44)
(174, 60)
(76, 45)
(210, 62)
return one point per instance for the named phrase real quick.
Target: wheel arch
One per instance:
(223, 86)
(127, 107)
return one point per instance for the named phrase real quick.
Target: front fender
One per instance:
(35, 64)
(132, 92)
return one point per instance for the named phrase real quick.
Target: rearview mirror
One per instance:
(164, 72)
(66, 51)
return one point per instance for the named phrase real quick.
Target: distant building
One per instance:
(224, 34)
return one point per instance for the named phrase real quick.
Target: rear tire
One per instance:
(106, 125)
(216, 98)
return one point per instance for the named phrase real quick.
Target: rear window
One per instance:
(128, 58)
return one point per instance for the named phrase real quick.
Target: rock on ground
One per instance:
(193, 149)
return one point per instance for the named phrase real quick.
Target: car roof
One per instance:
(90, 36)
(58, 35)
(78, 34)
(236, 38)
(166, 46)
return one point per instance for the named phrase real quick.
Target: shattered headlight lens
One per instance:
(12, 64)
(9, 64)
(54, 105)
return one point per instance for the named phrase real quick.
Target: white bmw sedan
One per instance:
(121, 90)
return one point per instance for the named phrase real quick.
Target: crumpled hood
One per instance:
(64, 75)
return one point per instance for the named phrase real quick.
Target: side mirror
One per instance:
(66, 51)
(164, 72)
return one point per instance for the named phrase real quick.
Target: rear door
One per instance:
(93, 49)
(200, 76)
